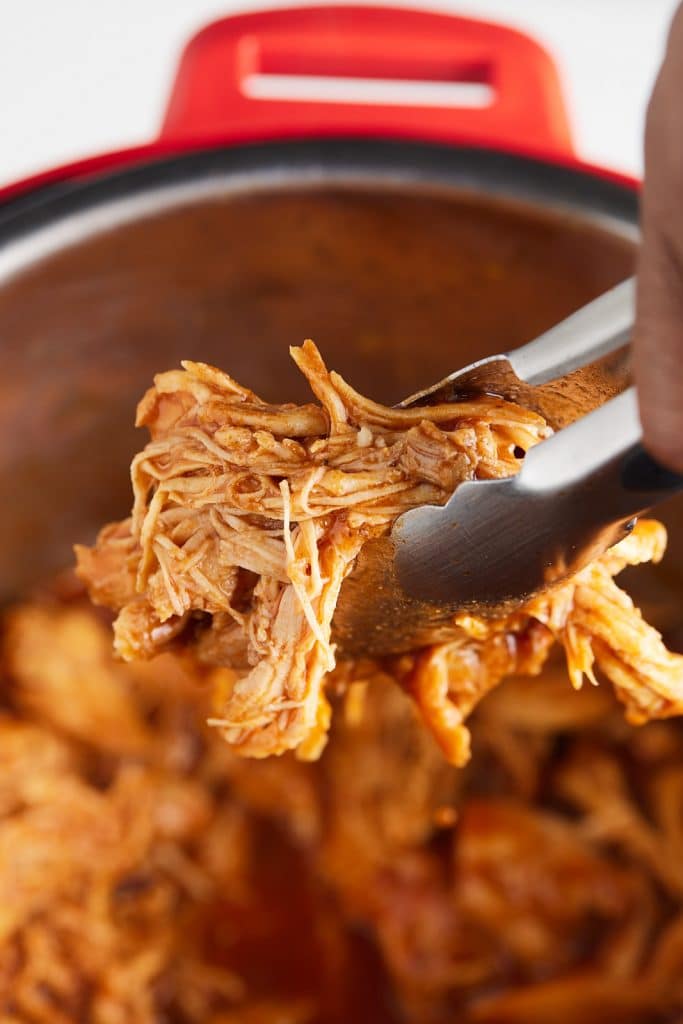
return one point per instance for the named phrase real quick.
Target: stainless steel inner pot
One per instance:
(402, 261)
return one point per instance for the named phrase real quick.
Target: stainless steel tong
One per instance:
(498, 542)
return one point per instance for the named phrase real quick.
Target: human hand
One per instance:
(658, 340)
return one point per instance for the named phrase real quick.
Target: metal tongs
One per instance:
(496, 543)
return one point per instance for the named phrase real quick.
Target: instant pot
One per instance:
(405, 239)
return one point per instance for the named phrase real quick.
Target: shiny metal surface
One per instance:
(507, 540)
(571, 369)
(496, 543)
(499, 542)
(400, 260)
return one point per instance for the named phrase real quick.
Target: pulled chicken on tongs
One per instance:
(247, 516)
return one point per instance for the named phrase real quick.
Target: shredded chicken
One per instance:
(115, 840)
(149, 874)
(248, 516)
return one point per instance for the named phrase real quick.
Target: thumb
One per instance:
(658, 338)
(658, 347)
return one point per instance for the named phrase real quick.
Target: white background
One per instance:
(79, 77)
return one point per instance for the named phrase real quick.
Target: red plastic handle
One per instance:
(210, 97)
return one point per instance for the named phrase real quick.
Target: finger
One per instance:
(658, 347)
(658, 338)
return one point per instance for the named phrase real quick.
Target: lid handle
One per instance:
(367, 71)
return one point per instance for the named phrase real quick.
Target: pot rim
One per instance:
(168, 148)
(42, 214)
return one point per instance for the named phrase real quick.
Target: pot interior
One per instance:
(398, 285)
